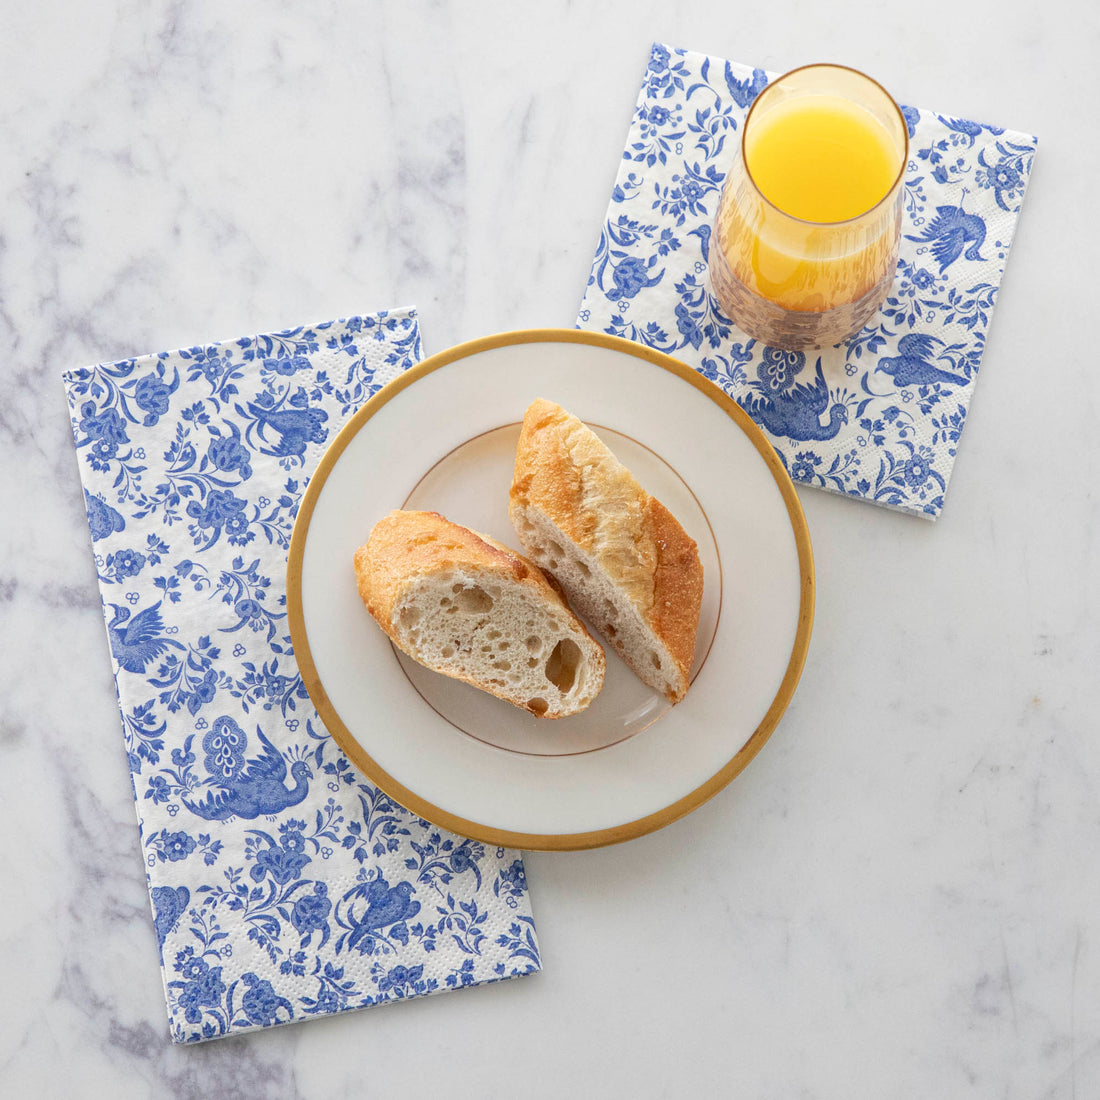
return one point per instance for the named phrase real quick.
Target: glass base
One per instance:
(792, 329)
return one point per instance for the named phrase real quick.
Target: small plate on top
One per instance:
(442, 437)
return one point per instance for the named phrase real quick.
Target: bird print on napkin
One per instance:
(283, 885)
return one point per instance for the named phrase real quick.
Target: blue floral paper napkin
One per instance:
(283, 886)
(880, 417)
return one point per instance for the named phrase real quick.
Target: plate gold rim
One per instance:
(506, 837)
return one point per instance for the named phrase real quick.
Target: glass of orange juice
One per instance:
(805, 242)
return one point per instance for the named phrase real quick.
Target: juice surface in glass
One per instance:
(821, 158)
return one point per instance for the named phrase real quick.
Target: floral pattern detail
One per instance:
(878, 418)
(283, 885)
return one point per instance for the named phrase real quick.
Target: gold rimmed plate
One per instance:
(442, 437)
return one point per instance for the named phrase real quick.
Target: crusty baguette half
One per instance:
(624, 561)
(463, 604)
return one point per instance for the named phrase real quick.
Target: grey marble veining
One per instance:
(901, 896)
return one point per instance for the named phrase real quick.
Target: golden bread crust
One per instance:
(677, 586)
(564, 470)
(406, 545)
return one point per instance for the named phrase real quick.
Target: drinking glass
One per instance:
(796, 282)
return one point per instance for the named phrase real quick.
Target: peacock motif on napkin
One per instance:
(246, 788)
(792, 409)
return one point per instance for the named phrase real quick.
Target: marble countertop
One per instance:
(901, 896)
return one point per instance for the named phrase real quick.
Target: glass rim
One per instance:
(893, 103)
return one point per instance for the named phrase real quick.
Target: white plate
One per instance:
(443, 437)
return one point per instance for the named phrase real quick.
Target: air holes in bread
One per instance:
(473, 600)
(561, 667)
(480, 620)
(655, 659)
(609, 616)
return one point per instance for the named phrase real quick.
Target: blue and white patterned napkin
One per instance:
(284, 887)
(880, 417)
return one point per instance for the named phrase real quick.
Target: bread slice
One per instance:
(624, 561)
(463, 604)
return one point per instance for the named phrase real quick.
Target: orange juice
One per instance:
(805, 239)
(822, 158)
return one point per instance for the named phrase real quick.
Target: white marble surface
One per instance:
(901, 896)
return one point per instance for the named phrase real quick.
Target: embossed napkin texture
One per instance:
(283, 886)
(880, 417)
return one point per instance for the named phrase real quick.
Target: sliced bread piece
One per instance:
(463, 604)
(624, 561)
